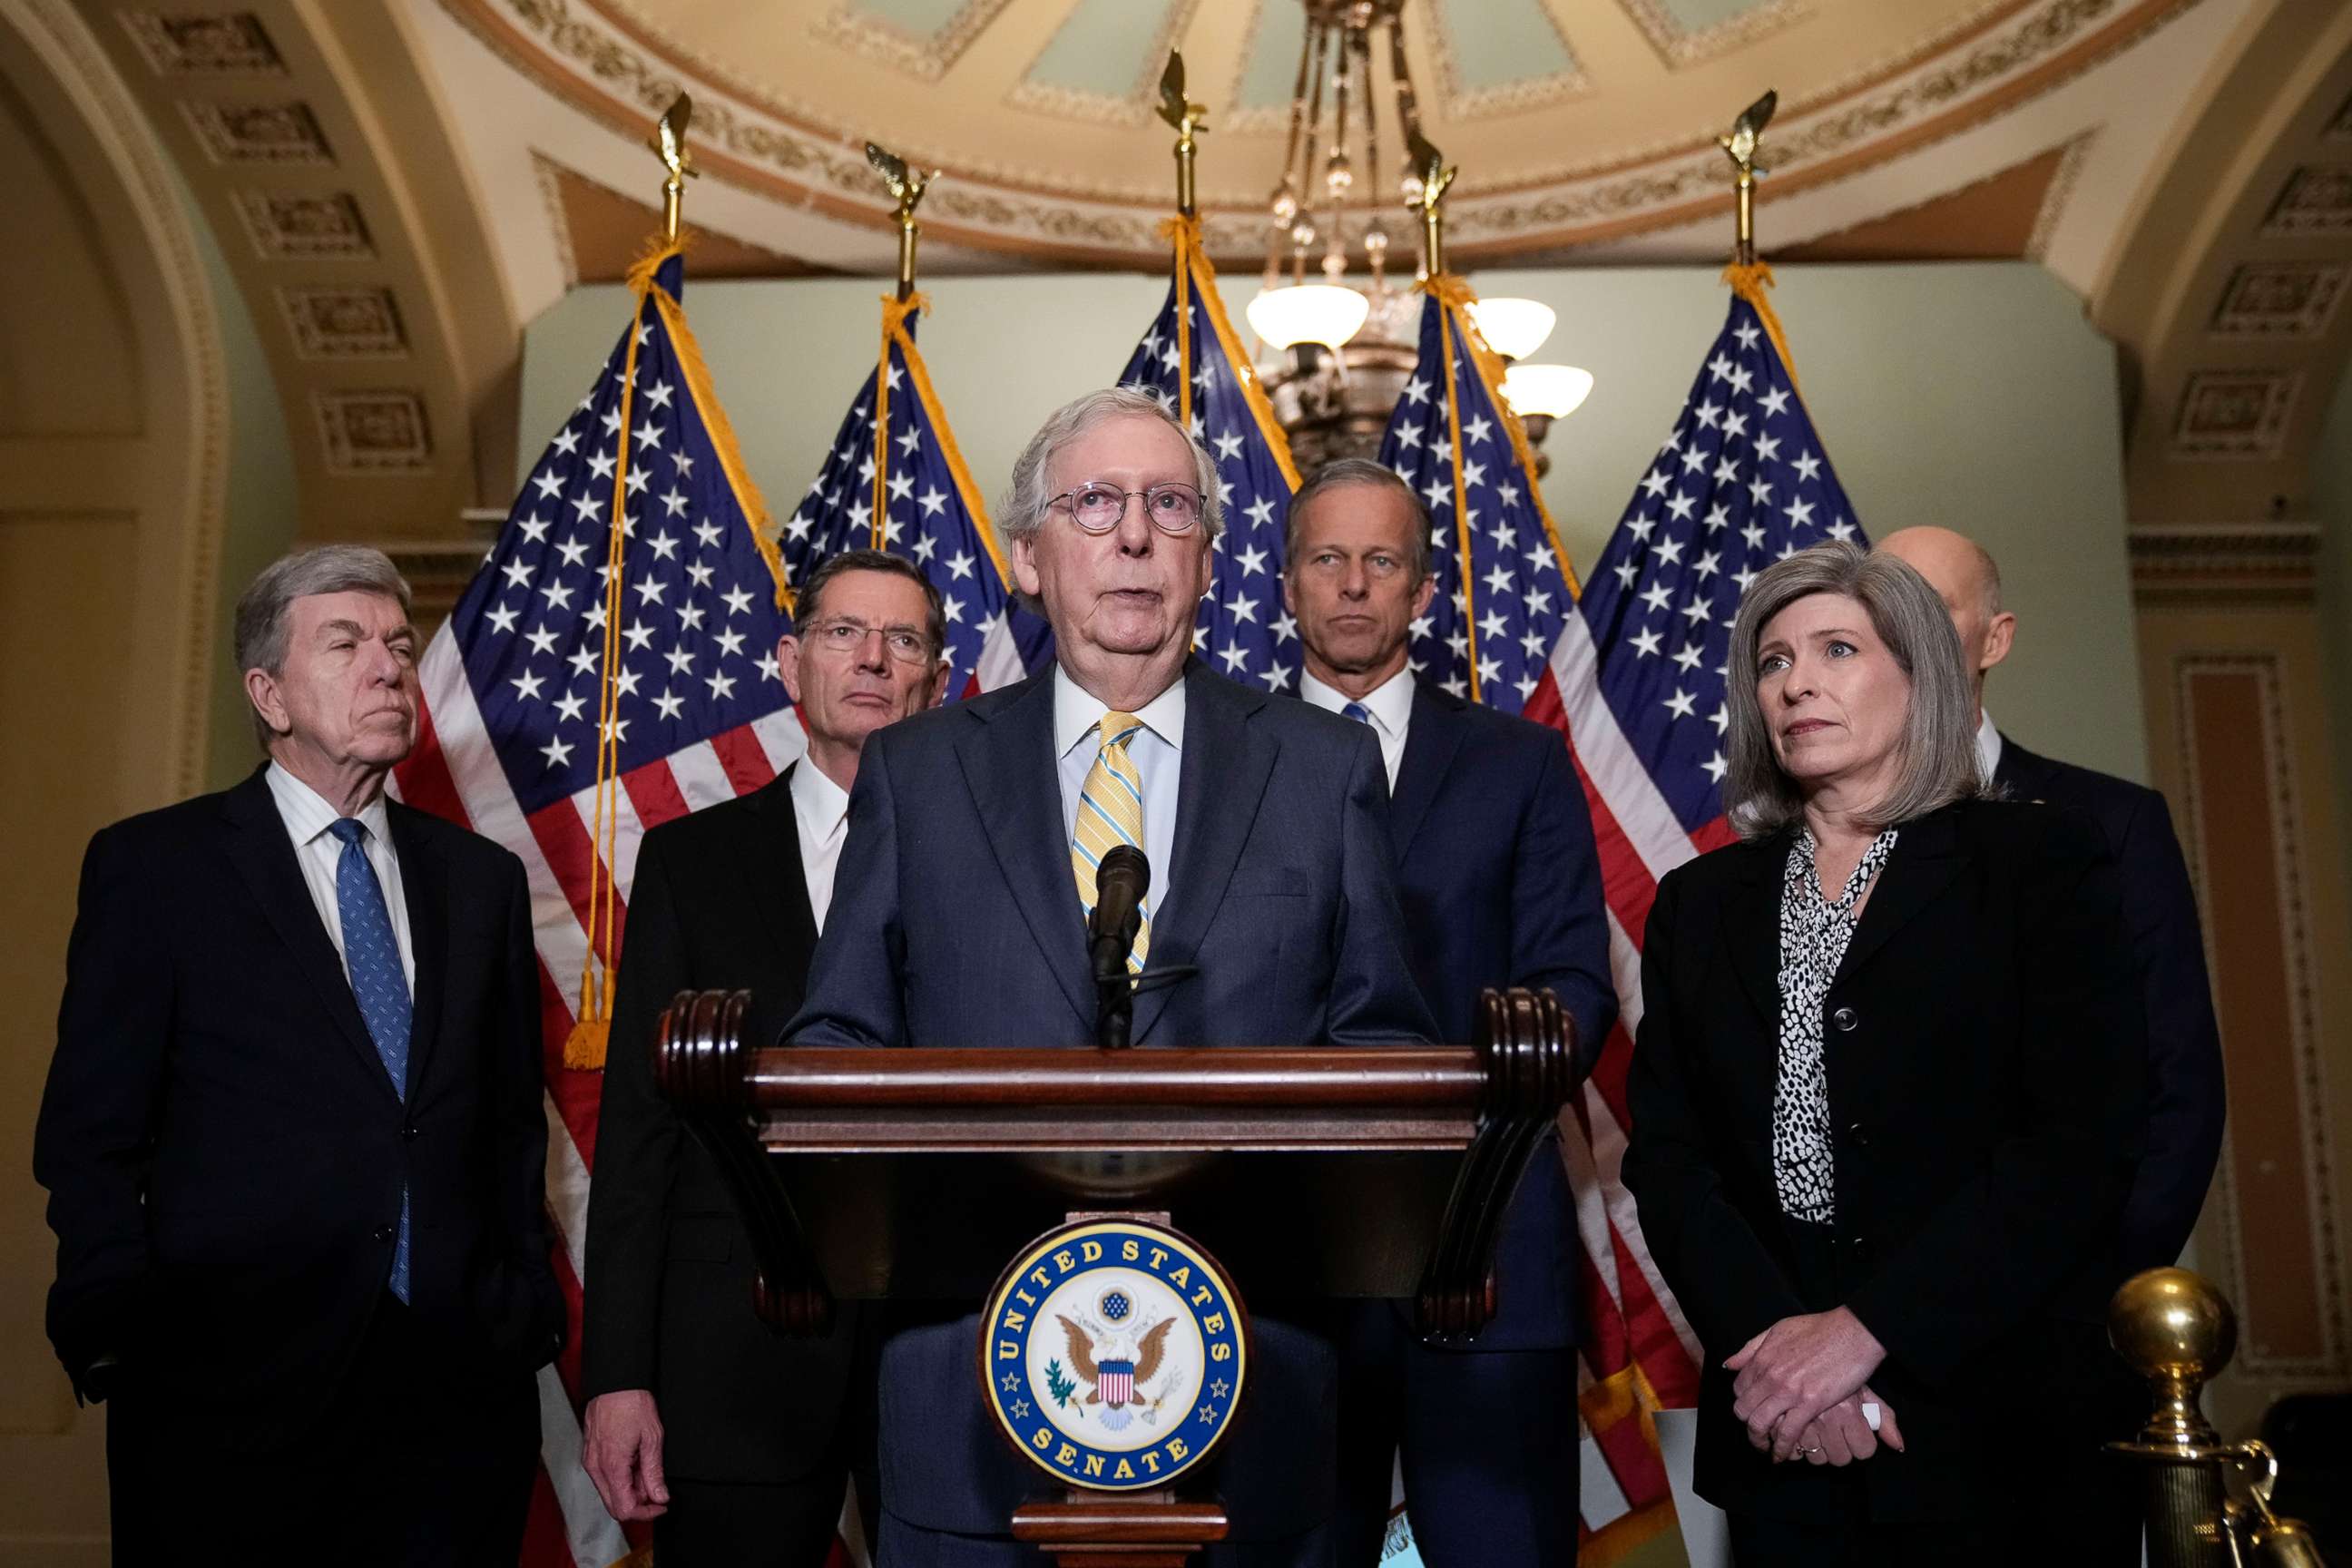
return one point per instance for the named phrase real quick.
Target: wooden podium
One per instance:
(1310, 1172)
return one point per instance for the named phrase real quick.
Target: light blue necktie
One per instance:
(1359, 712)
(372, 958)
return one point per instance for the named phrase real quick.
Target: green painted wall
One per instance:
(264, 504)
(1972, 395)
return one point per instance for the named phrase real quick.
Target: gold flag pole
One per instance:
(1187, 118)
(668, 142)
(906, 186)
(1740, 148)
(1429, 164)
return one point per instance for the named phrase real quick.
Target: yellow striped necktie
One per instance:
(1110, 811)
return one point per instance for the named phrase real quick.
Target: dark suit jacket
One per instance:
(1984, 1061)
(720, 900)
(1502, 887)
(2186, 1103)
(224, 1153)
(955, 922)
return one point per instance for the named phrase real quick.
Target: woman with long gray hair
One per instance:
(1886, 1089)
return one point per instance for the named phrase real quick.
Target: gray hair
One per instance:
(260, 630)
(1022, 512)
(1938, 753)
(1370, 474)
(809, 605)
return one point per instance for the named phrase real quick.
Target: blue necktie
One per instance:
(372, 957)
(1359, 712)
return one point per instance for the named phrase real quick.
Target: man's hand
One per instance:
(1843, 1435)
(1797, 1369)
(622, 1452)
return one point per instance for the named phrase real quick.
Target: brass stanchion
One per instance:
(2208, 1502)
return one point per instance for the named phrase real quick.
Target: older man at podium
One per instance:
(961, 915)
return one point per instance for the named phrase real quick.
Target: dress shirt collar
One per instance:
(1389, 703)
(1987, 746)
(819, 802)
(307, 813)
(1078, 714)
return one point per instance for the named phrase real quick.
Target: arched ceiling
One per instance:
(401, 183)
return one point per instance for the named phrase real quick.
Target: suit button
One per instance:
(409, 1131)
(384, 1233)
(1859, 1135)
(1845, 1018)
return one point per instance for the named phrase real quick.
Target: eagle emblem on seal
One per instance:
(1117, 1358)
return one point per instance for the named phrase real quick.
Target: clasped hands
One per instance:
(1801, 1385)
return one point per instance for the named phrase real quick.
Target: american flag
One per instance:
(1633, 671)
(1191, 362)
(513, 693)
(893, 446)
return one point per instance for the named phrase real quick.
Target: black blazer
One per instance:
(719, 900)
(1501, 887)
(224, 1153)
(1984, 1058)
(2186, 1101)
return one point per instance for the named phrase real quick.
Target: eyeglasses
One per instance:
(843, 636)
(1098, 506)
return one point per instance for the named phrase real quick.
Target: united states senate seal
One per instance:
(1113, 1353)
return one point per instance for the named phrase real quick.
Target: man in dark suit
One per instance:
(736, 1440)
(2186, 1104)
(964, 895)
(1501, 887)
(292, 1135)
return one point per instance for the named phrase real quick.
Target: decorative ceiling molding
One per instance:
(1134, 105)
(2207, 565)
(1460, 100)
(204, 45)
(373, 432)
(1680, 46)
(924, 57)
(614, 73)
(2280, 298)
(344, 323)
(257, 133)
(2316, 200)
(2232, 415)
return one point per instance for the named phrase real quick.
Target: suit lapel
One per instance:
(1430, 742)
(2026, 774)
(264, 858)
(1221, 778)
(1009, 765)
(782, 881)
(1928, 855)
(424, 886)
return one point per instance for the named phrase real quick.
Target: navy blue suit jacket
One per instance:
(2184, 1045)
(1502, 887)
(955, 922)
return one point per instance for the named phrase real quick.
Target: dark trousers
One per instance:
(413, 1464)
(1487, 1439)
(2088, 1505)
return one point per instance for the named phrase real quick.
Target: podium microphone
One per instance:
(1121, 879)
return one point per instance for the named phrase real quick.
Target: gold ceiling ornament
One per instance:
(1739, 146)
(668, 144)
(906, 186)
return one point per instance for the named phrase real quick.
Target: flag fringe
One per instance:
(1185, 235)
(894, 324)
(1749, 282)
(1457, 293)
(705, 393)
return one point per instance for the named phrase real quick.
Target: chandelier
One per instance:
(1348, 347)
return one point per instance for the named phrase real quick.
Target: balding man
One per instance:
(2185, 1101)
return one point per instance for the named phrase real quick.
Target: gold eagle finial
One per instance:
(905, 186)
(1746, 130)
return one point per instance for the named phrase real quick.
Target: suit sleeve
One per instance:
(97, 1120)
(1373, 999)
(637, 1134)
(2186, 1100)
(1559, 928)
(518, 1084)
(857, 983)
(2054, 1178)
(1718, 1269)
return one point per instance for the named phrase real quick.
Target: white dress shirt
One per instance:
(1987, 746)
(821, 813)
(1156, 751)
(1389, 703)
(308, 816)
